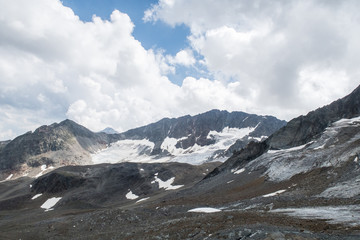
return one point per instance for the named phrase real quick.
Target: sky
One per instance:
(127, 63)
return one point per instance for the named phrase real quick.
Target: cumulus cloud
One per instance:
(267, 57)
(288, 57)
(54, 66)
(93, 72)
(184, 57)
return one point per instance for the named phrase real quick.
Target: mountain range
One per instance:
(295, 180)
(211, 136)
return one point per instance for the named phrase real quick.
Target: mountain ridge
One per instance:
(297, 131)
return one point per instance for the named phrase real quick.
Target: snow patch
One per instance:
(36, 196)
(130, 195)
(51, 202)
(205, 210)
(167, 185)
(9, 177)
(236, 171)
(43, 168)
(290, 149)
(143, 199)
(274, 193)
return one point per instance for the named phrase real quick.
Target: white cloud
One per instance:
(55, 66)
(95, 72)
(288, 57)
(184, 57)
(278, 57)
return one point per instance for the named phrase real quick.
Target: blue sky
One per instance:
(150, 34)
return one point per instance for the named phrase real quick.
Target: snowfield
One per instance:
(125, 151)
(139, 150)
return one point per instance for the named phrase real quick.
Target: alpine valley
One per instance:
(216, 175)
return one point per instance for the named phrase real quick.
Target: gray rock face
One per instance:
(298, 131)
(48, 145)
(305, 128)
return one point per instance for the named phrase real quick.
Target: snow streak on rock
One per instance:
(36, 196)
(238, 171)
(274, 193)
(205, 210)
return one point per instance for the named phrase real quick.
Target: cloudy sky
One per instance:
(127, 63)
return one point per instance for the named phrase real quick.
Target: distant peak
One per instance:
(109, 130)
(68, 122)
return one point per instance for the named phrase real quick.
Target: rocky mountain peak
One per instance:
(44, 145)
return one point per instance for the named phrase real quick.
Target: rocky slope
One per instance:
(56, 145)
(298, 131)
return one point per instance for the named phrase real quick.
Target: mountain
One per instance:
(298, 131)
(57, 145)
(302, 182)
(210, 136)
(109, 130)
(205, 137)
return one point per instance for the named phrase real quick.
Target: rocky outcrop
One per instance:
(305, 128)
(58, 144)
